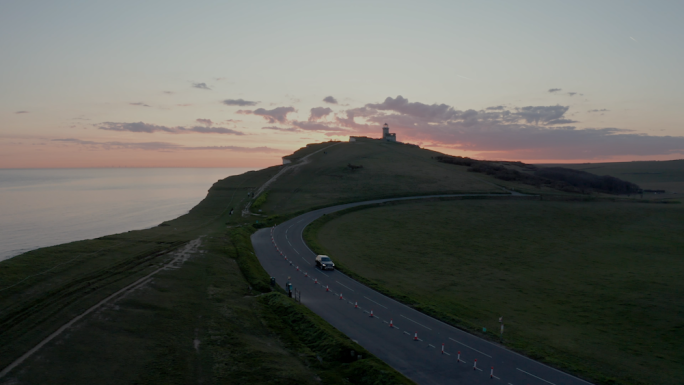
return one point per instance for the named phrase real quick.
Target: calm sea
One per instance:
(45, 207)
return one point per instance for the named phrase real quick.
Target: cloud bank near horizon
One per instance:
(141, 127)
(160, 146)
(530, 132)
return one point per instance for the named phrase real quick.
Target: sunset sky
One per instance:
(240, 84)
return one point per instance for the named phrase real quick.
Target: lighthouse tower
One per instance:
(386, 135)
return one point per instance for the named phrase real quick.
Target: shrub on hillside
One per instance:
(559, 178)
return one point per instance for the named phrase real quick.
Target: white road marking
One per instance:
(447, 353)
(343, 285)
(496, 377)
(295, 250)
(539, 378)
(430, 345)
(407, 333)
(478, 368)
(417, 323)
(470, 347)
(374, 302)
(306, 261)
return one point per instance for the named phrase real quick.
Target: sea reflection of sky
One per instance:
(43, 207)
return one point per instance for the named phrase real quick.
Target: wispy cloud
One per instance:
(330, 99)
(21, 112)
(206, 122)
(201, 86)
(321, 127)
(141, 127)
(552, 90)
(168, 92)
(278, 114)
(633, 39)
(239, 102)
(284, 129)
(139, 104)
(160, 146)
(596, 110)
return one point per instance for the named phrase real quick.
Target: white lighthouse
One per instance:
(386, 135)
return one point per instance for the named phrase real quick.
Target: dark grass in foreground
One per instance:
(594, 288)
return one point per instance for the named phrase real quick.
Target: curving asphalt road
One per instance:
(467, 359)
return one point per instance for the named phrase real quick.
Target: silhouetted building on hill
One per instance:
(386, 135)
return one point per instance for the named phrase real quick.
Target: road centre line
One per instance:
(471, 348)
(374, 301)
(343, 285)
(416, 322)
(539, 378)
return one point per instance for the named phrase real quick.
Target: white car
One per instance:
(324, 262)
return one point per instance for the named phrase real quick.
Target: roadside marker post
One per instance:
(491, 374)
(391, 324)
(475, 364)
(297, 268)
(340, 295)
(458, 359)
(415, 337)
(315, 281)
(442, 347)
(371, 314)
(306, 274)
(356, 305)
(327, 288)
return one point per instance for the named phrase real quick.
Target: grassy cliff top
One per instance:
(389, 169)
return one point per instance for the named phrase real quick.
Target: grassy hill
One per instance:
(389, 169)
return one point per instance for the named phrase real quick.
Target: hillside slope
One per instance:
(389, 169)
(650, 175)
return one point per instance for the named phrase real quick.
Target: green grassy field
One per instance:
(595, 288)
(650, 175)
(389, 169)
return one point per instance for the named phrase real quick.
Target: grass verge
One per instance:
(337, 355)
